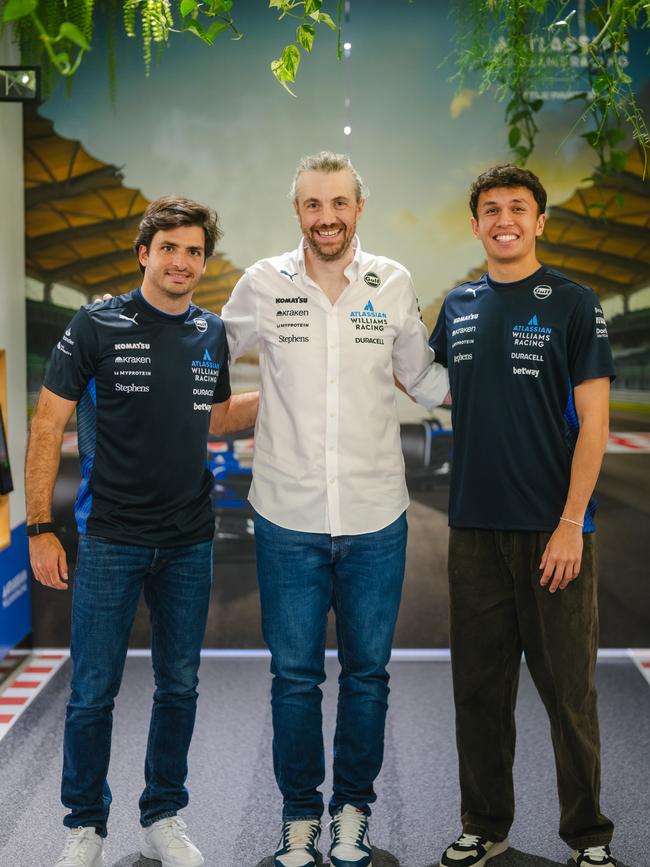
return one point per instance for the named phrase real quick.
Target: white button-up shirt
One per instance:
(328, 456)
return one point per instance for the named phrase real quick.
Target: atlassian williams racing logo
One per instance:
(368, 319)
(205, 370)
(531, 334)
(541, 292)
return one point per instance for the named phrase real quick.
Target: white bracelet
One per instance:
(569, 521)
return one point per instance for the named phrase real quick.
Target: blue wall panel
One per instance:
(15, 604)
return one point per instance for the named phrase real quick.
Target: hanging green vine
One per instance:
(519, 48)
(57, 33)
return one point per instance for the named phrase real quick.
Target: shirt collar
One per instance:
(351, 272)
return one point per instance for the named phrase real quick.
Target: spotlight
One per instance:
(347, 130)
(20, 84)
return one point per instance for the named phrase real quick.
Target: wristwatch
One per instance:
(38, 529)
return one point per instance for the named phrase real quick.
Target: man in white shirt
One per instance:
(334, 326)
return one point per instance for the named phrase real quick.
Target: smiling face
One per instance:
(173, 264)
(327, 210)
(508, 226)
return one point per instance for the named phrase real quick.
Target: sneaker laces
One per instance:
(76, 843)
(467, 841)
(596, 853)
(349, 826)
(173, 830)
(299, 833)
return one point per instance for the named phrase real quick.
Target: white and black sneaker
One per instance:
(593, 856)
(470, 850)
(298, 845)
(350, 843)
(83, 848)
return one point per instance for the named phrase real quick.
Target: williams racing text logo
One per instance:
(205, 369)
(368, 319)
(531, 334)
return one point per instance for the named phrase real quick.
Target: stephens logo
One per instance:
(372, 279)
(542, 292)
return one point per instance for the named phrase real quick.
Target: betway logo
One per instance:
(203, 407)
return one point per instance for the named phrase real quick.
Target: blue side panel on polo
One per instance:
(87, 439)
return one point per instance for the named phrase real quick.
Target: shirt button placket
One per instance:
(332, 423)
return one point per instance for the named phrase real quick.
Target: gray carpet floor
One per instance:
(234, 809)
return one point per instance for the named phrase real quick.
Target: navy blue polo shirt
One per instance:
(515, 352)
(145, 383)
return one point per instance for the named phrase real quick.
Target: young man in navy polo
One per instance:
(148, 375)
(530, 368)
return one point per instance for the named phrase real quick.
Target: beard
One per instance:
(330, 253)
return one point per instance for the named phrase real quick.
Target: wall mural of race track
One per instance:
(91, 167)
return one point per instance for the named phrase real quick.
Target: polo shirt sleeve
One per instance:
(438, 339)
(413, 361)
(74, 358)
(222, 389)
(588, 349)
(241, 318)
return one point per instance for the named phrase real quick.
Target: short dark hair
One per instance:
(168, 212)
(507, 176)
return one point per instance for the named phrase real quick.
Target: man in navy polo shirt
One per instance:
(148, 374)
(530, 368)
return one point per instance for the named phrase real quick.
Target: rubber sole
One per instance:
(153, 856)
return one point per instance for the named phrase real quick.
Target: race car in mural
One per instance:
(426, 447)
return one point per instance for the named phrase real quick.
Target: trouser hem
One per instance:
(101, 830)
(586, 842)
(166, 815)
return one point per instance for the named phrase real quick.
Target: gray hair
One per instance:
(327, 161)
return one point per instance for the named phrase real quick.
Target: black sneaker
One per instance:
(593, 856)
(471, 850)
(298, 845)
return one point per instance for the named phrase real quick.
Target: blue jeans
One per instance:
(107, 585)
(301, 575)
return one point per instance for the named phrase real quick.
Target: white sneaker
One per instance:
(350, 842)
(83, 848)
(167, 842)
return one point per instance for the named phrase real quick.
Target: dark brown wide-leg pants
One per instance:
(498, 609)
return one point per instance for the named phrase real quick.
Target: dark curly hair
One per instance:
(507, 176)
(169, 212)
